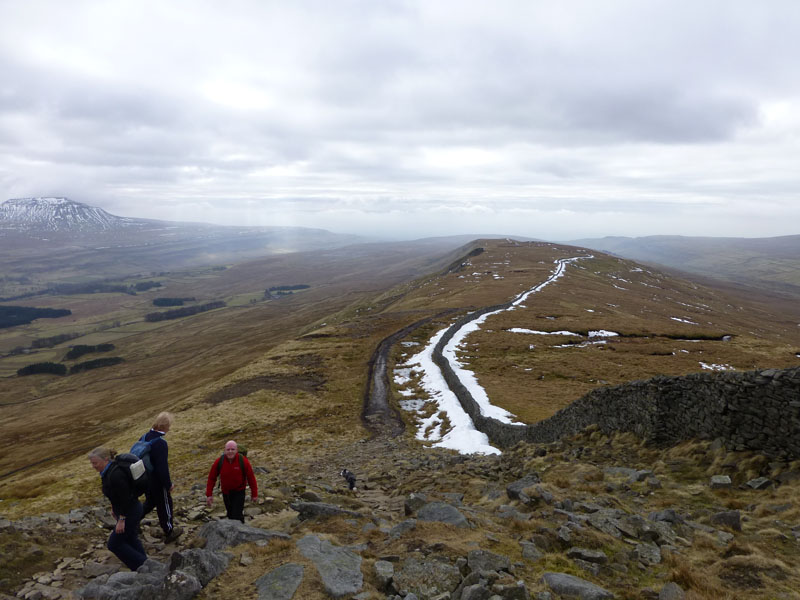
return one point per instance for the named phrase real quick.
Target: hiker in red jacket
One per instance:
(235, 473)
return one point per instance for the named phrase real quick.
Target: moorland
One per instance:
(285, 375)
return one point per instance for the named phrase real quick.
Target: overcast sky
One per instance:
(550, 119)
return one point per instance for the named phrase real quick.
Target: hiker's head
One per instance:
(163, 422)
(100, 457)
(231, 448)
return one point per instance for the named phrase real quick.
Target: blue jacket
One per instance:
(158, 456)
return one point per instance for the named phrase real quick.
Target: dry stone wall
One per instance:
(753, 410)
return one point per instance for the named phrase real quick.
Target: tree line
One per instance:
(11, 316)
(186, 311)
(59, 369)
(171, 301)
(79, 350)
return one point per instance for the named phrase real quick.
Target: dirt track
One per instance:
(378, 416)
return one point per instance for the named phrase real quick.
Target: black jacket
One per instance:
(118, 488)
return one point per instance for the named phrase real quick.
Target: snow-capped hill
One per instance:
(57, 214)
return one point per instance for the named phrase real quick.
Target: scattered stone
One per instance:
(280, 583)
(384, 571)
(720, 482)
(310, 510)
(483, 560)
(593, 556)
(516, 490)
(402, 528)
(339, 568)
(310, 496)
(426, 578)
(414, 502)
(531, 552)
(671, 591)
(759, 483)
(728, 518)
(227, 533)
(202, 564)
(668, 514)
(648, 554)
(571, 586)
(443, 513)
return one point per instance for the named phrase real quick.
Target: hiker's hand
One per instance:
(120, 528)
(254, 499)
(172, 488)
(209, 500)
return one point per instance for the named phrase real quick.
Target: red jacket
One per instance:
(231, 477)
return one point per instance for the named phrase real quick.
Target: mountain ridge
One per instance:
(771, 263)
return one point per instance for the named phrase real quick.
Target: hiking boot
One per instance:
(173, 535)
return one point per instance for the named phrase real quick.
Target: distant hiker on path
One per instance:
(158, 495)
(235, 473)
(125, 507)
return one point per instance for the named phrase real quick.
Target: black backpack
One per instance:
(134, 468)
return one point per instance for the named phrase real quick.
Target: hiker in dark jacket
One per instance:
(125, 507)
(235, 473)
(158, 494)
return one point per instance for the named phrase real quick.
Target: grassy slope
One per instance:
(766, 263)
(307, 355)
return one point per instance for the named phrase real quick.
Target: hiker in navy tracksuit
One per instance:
(125, 507)
(158, 494)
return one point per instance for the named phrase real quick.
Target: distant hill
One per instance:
(59, 239)
(771, 264)
(59, 214)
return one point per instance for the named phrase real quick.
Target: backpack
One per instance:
(134, 468)
(142, 450)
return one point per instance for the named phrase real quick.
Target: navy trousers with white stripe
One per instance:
(159, 498)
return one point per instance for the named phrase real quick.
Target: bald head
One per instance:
(230, 449)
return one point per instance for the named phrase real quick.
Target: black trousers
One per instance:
(234, 505)
(159, 498)
(127, 545)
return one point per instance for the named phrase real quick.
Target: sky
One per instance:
(557, 120)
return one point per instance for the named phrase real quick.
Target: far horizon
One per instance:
(389, 237)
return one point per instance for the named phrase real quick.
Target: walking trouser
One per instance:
(126, 545)
(159, 498)
(234, 504)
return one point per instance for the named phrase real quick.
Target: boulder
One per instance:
(483, 560)
(414, 502)
(516, 490)
(649, 554)
(310, 510)
(671, 591)
(227, 533)
(280, 583)
(593, 556)
(339, 568)
(443, 513)
(720, 482)
(402, 527)
(531, 552)
(427, 578)
(574, 587)
(728, 518)
(203, 564)
(384, 571)
(759, 483)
